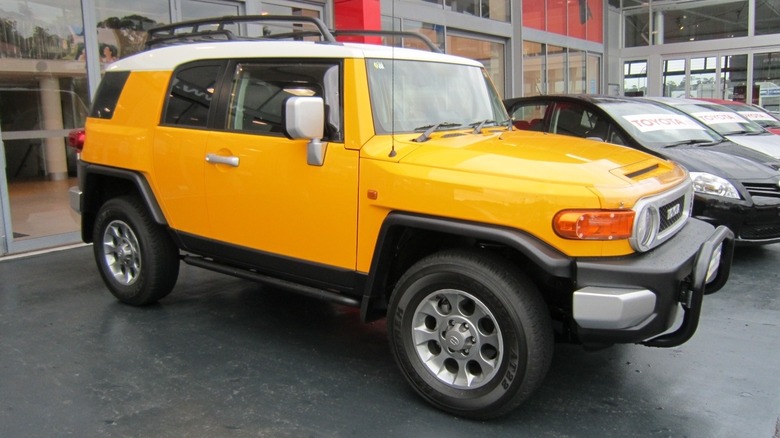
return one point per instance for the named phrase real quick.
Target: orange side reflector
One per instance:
(594, 224)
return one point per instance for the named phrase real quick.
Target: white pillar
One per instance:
(54, 154)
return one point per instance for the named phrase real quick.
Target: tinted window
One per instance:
(260, 89)
(108, 94)
(191, 95)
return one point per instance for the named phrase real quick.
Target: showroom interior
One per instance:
(52, 53)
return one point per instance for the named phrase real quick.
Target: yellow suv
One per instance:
(388, 179)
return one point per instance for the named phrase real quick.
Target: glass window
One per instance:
(702, 77)
(766, 80)
(108, 94)
(579, 13)
(556, 17)
(41, 29)
(595, 21)
(122, 25)
(534, 14)
(674, 78)
(636, 25)
(189, 100)
(434, 33)
(533, 69)
(556, 72)
(493, 9)
(192, 9)
(593, 74)
(733, 77)
(576, 72)
(722, 20)
(767, 17)
(259, 92)
(489, 53)
(635, 78)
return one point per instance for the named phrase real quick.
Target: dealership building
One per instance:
(53, 52)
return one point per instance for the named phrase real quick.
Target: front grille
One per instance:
(671, 213)
(759, 231)
(770, 190)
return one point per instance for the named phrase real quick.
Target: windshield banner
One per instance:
(660, 122)
(715, 117)
(755, 115)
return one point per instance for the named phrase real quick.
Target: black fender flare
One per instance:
(89, 176)
(542, 255)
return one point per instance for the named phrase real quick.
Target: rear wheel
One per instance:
(135, 256)
(470, 334)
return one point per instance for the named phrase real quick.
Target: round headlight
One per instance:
(645, 228)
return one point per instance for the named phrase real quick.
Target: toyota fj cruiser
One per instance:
(388, 179)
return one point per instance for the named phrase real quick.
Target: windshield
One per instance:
(721, 119)
(656, 126)
(759, 116)
(412, 96)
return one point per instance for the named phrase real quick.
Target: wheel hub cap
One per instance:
(121, 252)
(457, 339)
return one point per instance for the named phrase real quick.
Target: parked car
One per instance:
(727, 123)
(767, 120)
(734, 186)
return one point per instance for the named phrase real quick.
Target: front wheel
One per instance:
(135, 256)
(470, 334)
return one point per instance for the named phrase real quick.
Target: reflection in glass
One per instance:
(533, 69)
(766, 80)
(409, 96)
(40, 30)
(723, 20)
(635, 78)
(434, 32)
(767, 17)
(674, 78)
(122, 25)
(576, 72)
(636, 24)
(702, 78)
(733, 77)
(556, 73)
(192, 9)
(593, 74)
(490, 54)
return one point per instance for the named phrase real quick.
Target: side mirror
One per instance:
(304, 118)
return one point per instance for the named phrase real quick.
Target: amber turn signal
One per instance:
(594, 224)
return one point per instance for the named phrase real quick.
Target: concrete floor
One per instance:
(224, 357)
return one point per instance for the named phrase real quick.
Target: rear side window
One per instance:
(108, 94)
(191, 95)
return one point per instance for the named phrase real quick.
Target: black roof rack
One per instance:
(388, 33)
(214, 29)
(192, 31)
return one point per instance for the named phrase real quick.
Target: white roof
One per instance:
(167, 58)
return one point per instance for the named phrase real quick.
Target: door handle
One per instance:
(221, 159)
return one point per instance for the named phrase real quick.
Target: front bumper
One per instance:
(636, 299)
(74, 196)
(753, 223)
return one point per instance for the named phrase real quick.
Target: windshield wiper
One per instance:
(479, 125)
(425, 136)
(700, 142)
